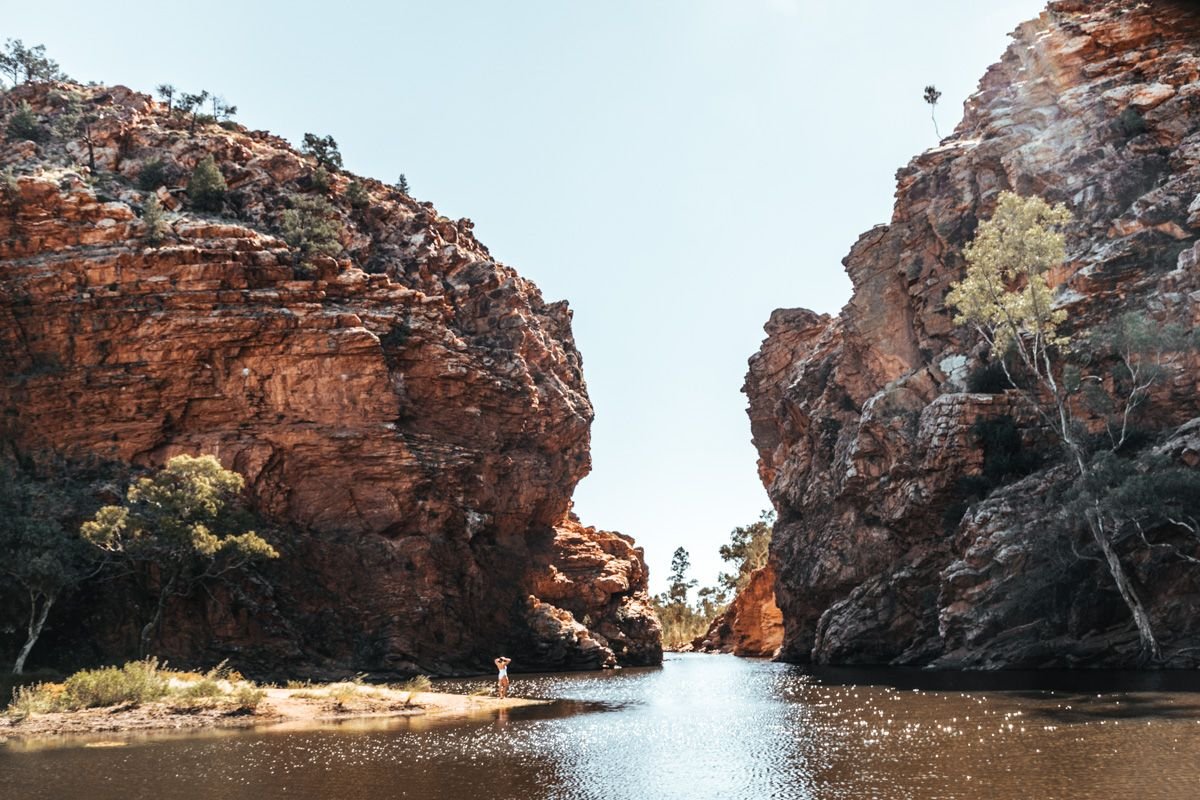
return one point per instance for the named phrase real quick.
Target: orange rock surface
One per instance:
(752, 625)
(412, 414)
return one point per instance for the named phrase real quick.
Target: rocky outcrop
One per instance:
(752, 625)
(865, 428)
(410, 413)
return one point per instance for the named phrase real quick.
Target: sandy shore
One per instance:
(288, 708)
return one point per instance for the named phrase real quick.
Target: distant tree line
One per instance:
(684, 620)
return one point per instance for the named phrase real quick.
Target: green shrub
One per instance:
(320, 179)
(206, 188)
(357, 195)
(248, 696)
(156, 224)
(311, 227)
(23, 125)
(37, 698)
(136, 682)
(153, 174)
(988, 379)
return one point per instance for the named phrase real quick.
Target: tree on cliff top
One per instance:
(1006, 298)
(747, 551)
(324, 149)
(21, 64)
(932, 95)
(179, 528)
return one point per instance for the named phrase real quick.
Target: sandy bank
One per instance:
(299, 708)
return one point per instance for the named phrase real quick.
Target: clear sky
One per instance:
(676, 169)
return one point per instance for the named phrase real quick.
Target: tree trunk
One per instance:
(1141, 619)
(148, 630)
(37, 620)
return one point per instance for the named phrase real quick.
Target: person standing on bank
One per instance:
(502, 679)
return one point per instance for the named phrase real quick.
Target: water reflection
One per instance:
(703, 726)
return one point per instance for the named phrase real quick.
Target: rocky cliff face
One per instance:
(752, 625)
(410, 413)
(863, 424)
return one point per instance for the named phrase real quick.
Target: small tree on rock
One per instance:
(932, 95)
(23, 126)
(155, 222)
(324, 149)
(747, 551)
(1006, 298)
(167, 92)
(21, 64)
(402, 183)
(206, 188)
(179, 528)
(42, 557)
(311, 227)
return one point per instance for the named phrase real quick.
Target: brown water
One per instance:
(700, 727)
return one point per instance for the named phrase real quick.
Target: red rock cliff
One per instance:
(862, 422)
(412, 413)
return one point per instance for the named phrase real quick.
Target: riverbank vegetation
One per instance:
(178, 528)
(682, 620)
(147, 695)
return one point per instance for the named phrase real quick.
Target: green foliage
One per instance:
(23, 126)
(167, 92)
(21, 64)
(402, 183)
(321, 179)
(153, 174)
(989, 378)
(312, 228)
(324, 149)
(680, 584)
(1004, 456)
(1006, 298)
(186, 522)
(155, 222)
(932, 95)
(1005, 294)
(136, 682)
(43, 556)
(1142, 353)
(192, 103)
(206, 188)
(357, 196)
(747, 551)
(248, 697)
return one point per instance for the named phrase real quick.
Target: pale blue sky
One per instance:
(675, 168)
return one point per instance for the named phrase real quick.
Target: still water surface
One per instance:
(701, 727)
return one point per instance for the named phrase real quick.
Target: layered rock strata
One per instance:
(410, 413)
(865, 429)
(752, 626)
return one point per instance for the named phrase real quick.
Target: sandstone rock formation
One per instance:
(411, 414)
(752, 625)
(863, 422)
